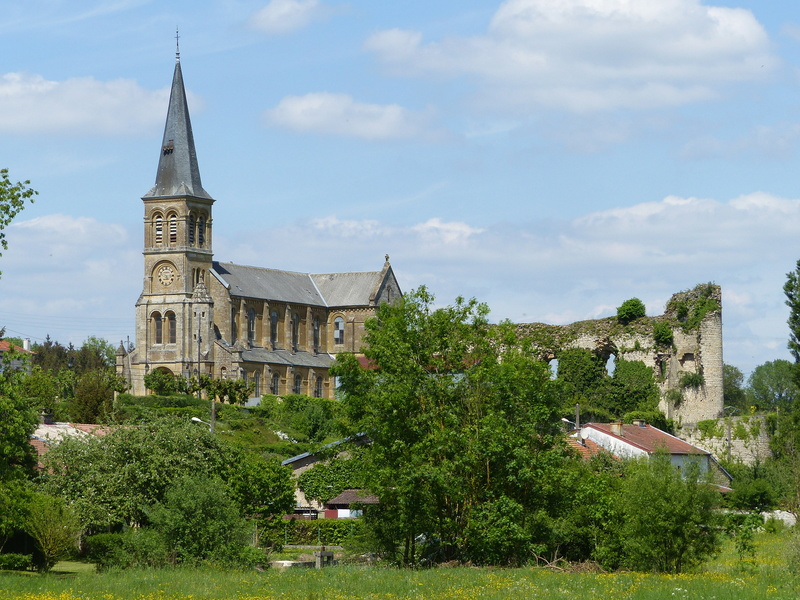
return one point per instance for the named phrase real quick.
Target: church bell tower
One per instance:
(174, 314)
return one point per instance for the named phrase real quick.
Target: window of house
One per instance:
(172, 328)
(251, 325)
(318, 388)
(159, 225)
(158, 328)
(173, 229)
(273, 330)
(276, 381)
(191, 229)
(298, 384)
(338, 331)
(295, 332)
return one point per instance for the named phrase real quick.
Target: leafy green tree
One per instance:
(460, 414)
(54, 527)
(733, 392)
(18, 419)
(773, 386)
(669, 521)
(15, 497)
(791, 290)
(327, 480)
(631, 310)
(12, 201)
(94, 395)
(199, 520)
(633, 387)
(112, 480)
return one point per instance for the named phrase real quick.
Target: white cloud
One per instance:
(340, 114)
(591, 55)
(285, 16)
(31, 104)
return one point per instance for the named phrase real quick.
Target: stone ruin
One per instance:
(688, 371)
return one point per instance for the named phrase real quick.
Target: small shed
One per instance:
(349, 504)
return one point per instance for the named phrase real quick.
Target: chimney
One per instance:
(616, 429)
(46, 417)
(26, 344)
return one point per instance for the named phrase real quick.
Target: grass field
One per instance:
(722, 579)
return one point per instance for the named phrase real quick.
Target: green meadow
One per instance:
(767, 576)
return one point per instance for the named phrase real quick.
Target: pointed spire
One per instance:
(178, 173)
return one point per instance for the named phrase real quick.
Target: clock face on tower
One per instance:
(166, 275)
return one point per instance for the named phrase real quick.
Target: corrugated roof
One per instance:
(649, 438)
(346, 289)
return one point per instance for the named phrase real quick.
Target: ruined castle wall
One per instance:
(695, 318)
(732, 438)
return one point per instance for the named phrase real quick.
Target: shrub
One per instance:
(15, 562)
(692, 380)
(135, 548)
(328, 532)
(630, 310)
(662, 333)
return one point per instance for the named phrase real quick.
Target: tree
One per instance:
(12, 200)
(669, 521)
(733, 393)
(112, 480)
(94, 393)
(630, 310)
(18, 419)
(773, 386)
(791, 290)
(54, 527)
(463, 420)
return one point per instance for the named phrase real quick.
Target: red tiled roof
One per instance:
(587, 449)
(649, 438)
(5, 346)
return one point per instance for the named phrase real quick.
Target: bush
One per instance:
(135, 548)
(662, 333)
(15, 562)
(630, 310)
(692, 380)
(327, 532)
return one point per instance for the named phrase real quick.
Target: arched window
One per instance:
(273, 330)
(338, 331)
(158, 329)
(223, 373)
(201, 231)
(316, 334)
(251, 325)
(159, 227)
(191, 229)
(298, 384)
(318, 388)
(295, 332)
(172, 328)
(276, 381)
(173, 229)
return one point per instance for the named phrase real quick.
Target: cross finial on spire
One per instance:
(177, 46)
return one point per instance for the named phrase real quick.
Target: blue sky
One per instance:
(552, 158)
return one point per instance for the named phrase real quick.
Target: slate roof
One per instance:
(285, 357)
(178, 173)
(347, 289)
(331, 289)
(650, 439)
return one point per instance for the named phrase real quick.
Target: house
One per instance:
(639, 440)
(349, 504)
(278, 330)
(50, 432)
(20, 359)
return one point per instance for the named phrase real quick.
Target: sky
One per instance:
(551, 158)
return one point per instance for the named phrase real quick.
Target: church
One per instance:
(279, 330)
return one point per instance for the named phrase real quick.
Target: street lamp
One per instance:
(197, 420)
